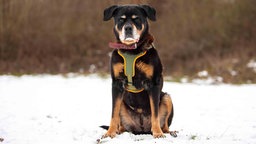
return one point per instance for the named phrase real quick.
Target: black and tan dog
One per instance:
(138, 103)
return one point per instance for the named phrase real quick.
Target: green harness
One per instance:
(129, 69)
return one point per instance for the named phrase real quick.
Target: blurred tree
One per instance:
(45, 36)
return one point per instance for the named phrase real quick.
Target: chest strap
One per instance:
(129, 69)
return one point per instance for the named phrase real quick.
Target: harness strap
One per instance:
(129, 69)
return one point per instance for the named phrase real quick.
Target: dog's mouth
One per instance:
(129, 34)
(130, 40)
(129, 43)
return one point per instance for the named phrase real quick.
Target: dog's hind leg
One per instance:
(165, 112)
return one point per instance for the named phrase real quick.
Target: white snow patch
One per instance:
(203, 73)
(233, 72)
(208, 80)
(48, 109)
(252, 65)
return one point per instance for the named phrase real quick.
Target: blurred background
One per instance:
(194, 38)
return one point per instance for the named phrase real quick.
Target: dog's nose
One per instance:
(128, 28)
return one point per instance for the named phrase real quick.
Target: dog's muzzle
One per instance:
(129, 34)
(128, 30)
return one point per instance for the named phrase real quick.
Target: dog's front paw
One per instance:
(158, 135)
(110, 134)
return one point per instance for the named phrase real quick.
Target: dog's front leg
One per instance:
(117, 98)
(154, 97)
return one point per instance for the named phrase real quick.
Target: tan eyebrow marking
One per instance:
(123, 16)
(134, 16)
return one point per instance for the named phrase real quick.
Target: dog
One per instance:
(138, 103)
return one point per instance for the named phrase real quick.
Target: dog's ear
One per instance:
(150, 12)
(109, 12)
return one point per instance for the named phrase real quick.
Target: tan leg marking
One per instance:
(115, 120)
(155, 122)
(165, 110)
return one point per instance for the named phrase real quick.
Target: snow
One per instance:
(252, 65)
(54, 109)
(203, 73)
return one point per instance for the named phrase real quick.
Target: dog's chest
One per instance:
(134, 70)
(140, 68)
(133, 66)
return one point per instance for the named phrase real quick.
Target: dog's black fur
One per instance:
(148, 111)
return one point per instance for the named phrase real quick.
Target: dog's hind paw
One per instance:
(174, 133)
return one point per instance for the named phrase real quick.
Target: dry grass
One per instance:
(45, 36)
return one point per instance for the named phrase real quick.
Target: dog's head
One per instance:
(130, 21)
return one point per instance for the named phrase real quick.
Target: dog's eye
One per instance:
(136, 20)
(121, 19)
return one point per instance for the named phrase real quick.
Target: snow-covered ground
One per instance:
(47, 109)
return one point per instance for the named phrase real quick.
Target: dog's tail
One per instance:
(104, 127)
